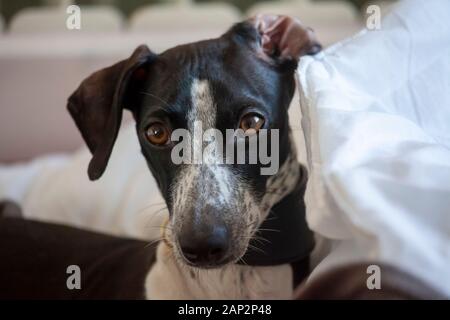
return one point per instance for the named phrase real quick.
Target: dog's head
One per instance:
(184, 100)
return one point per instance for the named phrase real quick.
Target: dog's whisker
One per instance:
(150, 223)
(160, 227)
(271, 217)
(270, 230)
(156, 203)
(255, 237)
(159, 211)
(264, 240)
(155, 215)
(153, 242)
(152, 205)
(278, 192)
(241, 259)
(261, 240)
(252, 247)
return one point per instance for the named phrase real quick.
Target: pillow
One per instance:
(376, 121)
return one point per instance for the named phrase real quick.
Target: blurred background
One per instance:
(42, 61)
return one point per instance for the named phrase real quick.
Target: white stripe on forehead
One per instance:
(212, 176)
(203, 106)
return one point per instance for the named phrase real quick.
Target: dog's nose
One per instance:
(205, 248)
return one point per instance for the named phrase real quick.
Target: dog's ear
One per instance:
(285, 37)
(279, 39)
(96, 106)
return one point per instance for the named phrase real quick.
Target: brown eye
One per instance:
(157, 134)
(251, 121)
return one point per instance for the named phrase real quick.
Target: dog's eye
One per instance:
(252, 122)
(158, 134)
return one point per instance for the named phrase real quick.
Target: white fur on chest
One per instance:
(170, 280)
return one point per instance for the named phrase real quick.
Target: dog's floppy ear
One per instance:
(283, 38)
(96, 106)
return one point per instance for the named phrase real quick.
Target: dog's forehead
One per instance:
(221, 58)
(197, 55)
(234, 73)
(226, 66)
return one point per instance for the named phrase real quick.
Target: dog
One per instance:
(232, 232)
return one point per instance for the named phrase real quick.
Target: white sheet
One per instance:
(376, 119)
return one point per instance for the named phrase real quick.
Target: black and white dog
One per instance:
(232, 233)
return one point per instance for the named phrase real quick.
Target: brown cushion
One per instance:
(350, 282)
(34, 257)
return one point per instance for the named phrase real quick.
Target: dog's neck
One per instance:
(283, 237)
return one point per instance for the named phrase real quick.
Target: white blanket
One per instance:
(376, 120)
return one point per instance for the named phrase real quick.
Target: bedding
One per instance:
(376, 120)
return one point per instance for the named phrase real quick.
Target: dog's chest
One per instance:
(170, 280)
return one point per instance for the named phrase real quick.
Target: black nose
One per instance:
(205, 247)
